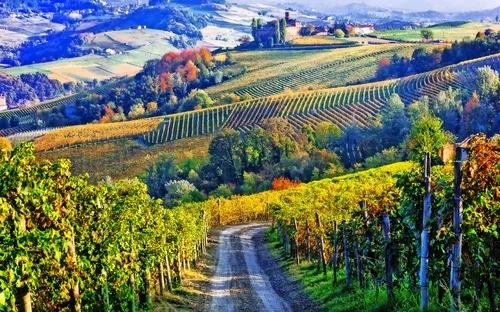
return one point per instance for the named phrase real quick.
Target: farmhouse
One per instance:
(267, 31)
(361, 29)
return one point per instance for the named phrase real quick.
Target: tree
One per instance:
(14, 121)
(283, 30)
(488, 82)
(136, 111)
(395, 124)
(338, 33)
(5, 144)
(427, 34)
(426, 136)
(254, 28)
(197, 99)
(4, 123)
(163, 170)
(383, 69)
(326, 133)
(151, 108)
(282, 136)
(226, 151)
(277, 32)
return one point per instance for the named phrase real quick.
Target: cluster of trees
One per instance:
(51, 5)
(165, 86)
(423, 60)
(66, 244)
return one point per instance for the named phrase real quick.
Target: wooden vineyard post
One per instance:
(456, 253)
(321, 250)
(204, 239)
(161, 278)
(296, 241)
(169, 274)
(359, 264)
(74, 292)
(308, 241)
(335, 253)
(346, 257)
(23, 296)
(286, 241)
(424, 249)
(131, 303)
(178, 267)
(386, 227)
(107, 307)
(147, 289)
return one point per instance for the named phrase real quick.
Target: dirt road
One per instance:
(248, 278)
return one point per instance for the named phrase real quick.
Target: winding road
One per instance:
(248, 277)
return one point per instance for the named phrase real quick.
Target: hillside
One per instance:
(272, 72)
(341, 106)
(445, 31)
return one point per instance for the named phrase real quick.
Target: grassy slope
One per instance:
(444, 32)
(124, 158)
(141, 46)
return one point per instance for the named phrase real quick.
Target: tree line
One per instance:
(422, 60)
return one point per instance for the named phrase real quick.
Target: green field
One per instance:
(465, 31)
(137, 47)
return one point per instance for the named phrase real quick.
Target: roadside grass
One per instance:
(339, 297)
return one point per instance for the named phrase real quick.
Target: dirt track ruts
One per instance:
(248, 277)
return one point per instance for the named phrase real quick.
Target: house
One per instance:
(3, 103)
(360, 29)
(268, 30)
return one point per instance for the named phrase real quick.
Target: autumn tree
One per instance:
(5, 144)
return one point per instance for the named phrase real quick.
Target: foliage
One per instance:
(113, 227)
(283, 183)
(426, 136)
(5, 144)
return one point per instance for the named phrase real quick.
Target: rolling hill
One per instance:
(341, 106)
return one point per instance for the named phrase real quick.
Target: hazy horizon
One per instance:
(421, 5)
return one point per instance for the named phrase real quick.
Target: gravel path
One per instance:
(248, 278)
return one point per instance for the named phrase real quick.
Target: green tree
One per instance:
(277, 32)
(283, 137)
(162, 171)
(254, 28)
(326, 133)
(283, 30)
(395, 124)
(427, 34)
(426, 136)
(339, 33)
(226, 152)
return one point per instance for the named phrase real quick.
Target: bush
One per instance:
(283, 183)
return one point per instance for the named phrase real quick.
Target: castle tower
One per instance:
(287, 15)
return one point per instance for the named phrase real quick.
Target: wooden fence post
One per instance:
(426, 229)
(107, 307)
(161, 278)
(74, 293)
(359, 264)
(456, 253)
(386, 226)
(308, 241)
(346, 257)
(169, 274)
(321, 250)
(335, 253)
(23, 296)
(296, 241)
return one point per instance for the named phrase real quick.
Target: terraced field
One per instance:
(341, 106)
(273, 72)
